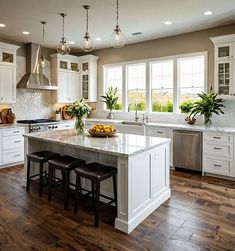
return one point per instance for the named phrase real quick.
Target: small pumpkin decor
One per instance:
(186, 107)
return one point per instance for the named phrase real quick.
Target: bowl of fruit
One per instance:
(102, 131)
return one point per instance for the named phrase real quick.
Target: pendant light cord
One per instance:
(87, 21)
(63, 23)
(117, 11)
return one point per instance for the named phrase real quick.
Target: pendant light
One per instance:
(42, 58)
(63, 47)
(87, 44)
(117, 38)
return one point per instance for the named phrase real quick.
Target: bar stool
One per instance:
(65, 164)
(41, 158)
(97, 173)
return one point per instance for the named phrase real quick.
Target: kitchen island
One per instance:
(142, 164)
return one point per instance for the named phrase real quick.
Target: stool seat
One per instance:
(43, 156)
(66, 162)
(96, 171)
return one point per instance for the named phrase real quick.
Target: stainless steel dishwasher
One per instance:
(187, 149)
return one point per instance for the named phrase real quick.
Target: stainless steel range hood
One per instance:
(34, 77)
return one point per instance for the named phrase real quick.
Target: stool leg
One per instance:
(40, 179)
(93, 193)
(97, 203)
(66, 190)
(50, 181)
(28, 173)
(115, 189)
(78, 188)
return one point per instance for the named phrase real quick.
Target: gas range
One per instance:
(38, 125)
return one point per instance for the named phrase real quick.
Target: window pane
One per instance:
(136, 82)
(114, 79)
(162, 86)
(191, 77)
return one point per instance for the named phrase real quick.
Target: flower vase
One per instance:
(79, 125)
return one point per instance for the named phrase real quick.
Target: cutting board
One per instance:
(3, 114)
(64, 113)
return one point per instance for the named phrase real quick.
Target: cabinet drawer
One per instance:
(218, 166)
(219, 137)
(9, 157)
(12, 142)
(13, 132)
(159, 132)
(222, 150)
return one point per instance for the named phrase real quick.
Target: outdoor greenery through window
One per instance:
(158, 85)
(162, 86)
(136, 82)
(191, 78)
(113, 79)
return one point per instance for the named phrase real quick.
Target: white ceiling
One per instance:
(147, 16)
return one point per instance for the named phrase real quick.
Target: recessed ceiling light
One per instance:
(2, 25)
(26, 32)
(168, 22)
(98, 39)
(208, 13)
(71, 42)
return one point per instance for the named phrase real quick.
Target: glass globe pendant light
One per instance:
(42, 60)
(87, 44)
(117, 38)
(63, 47)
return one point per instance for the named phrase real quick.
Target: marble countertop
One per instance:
(120, 145)
(5, 126)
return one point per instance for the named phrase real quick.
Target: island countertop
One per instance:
(119, 145)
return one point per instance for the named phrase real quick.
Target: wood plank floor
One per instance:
(199, 216)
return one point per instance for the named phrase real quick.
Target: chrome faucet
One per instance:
(136, 110)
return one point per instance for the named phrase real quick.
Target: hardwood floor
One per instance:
(199, 216)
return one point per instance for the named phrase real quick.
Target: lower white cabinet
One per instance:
(162, 133)
(218, 153)
(131, 129)
(66, 125)
(12, 146)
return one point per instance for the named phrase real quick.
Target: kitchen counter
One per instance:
(4, 126)
(142, 168)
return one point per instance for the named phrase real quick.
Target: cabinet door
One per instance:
(8, 56)
(73, 87)
(85, 86)
(8, 84)
(224, 51)
(224, 78)
(62, 80)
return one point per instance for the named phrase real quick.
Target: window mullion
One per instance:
(175, 86)
(148, 87)
(124, 88)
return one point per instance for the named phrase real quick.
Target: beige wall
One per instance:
(174, 45)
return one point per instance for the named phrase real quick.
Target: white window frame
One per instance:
(176, 110)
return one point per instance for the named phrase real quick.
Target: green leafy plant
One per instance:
(110, 98)
(159, 107)
(207, 105)
(186, 106)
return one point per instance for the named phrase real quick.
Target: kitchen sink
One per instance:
(133, 123)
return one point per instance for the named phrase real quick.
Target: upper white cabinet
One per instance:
(225, 65)
(89, 77)
(8, 73)
(76, 78)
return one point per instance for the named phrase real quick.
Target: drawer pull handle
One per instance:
(216, 137)
(16, 131)
(17, 155)
(217, 148)
(216, 165)
(17, 141)
(159, 132)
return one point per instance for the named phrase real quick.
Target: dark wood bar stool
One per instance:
(65, 164)
(97, 173)
(41, 158)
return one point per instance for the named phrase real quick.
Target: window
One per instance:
(162, 86)
(191, 78)
(136, 82)
(113, 78)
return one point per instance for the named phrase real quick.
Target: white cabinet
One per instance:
(66, 125)
(76, 78)
(89, 77)
(7, 73)
(65, 74)
(12, 146)
(131, 129)
(218, 153)
(225, 65)
(162, 132)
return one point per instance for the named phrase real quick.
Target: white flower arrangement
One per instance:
(78, 109)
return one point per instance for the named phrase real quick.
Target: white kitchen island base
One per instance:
(142, 168)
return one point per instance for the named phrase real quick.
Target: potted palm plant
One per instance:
(110, 99)
(207, 105)
(186, 107)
